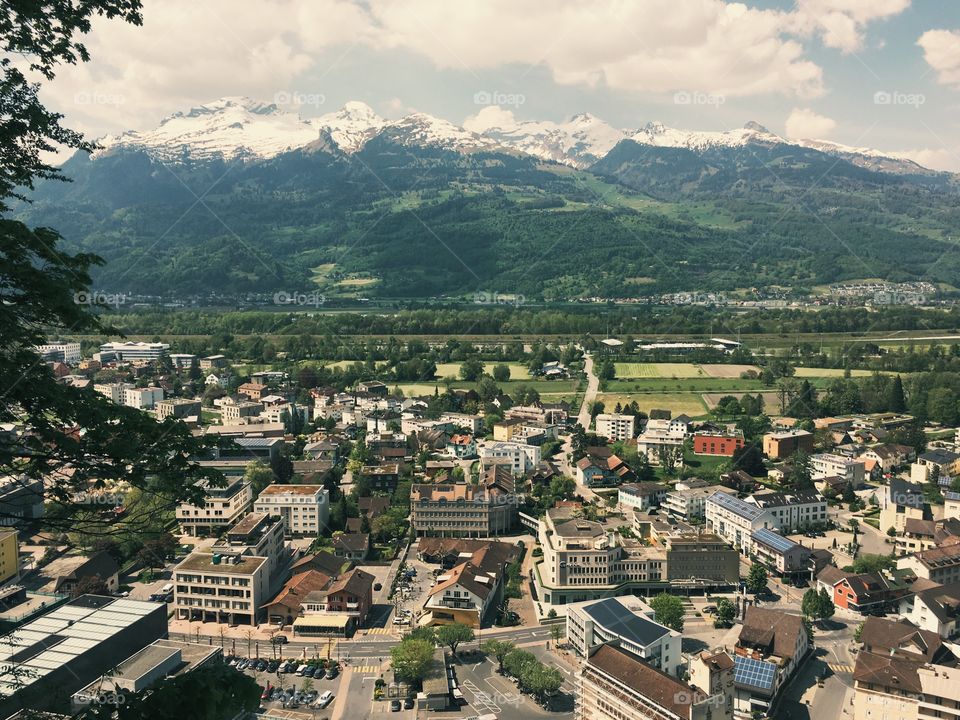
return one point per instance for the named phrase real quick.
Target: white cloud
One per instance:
(941, 50)
(942, 159)
(841, 24)
(805, 124)
(492, 116)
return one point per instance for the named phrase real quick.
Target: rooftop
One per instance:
(225, 564)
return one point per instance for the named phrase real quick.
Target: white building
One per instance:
(632, 624)
(691, 503)
(127, 351)
(641, 496)
(823, 465)
(68, 352)
(735, 520)
(792, 511)
(226, 588)
(616, 427)
(142, 398)
(520, 457)
(305, 509)
(223, 507)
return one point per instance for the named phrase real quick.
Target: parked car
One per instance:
(279, 640)
(310, 671)
(377, 586)
(324, 699)
(408, 703)
(302, 669)
(332, 673)
(394, 706)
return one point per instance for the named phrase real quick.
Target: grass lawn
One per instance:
(703, 463)
(658, 370)
(348, 363)
(550, 390)
(679, 403)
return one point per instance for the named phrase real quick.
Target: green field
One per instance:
(517, 371)
(658, 370)
(679, 403)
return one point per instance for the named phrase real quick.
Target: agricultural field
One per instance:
(701, 384)
(658, 370)
(804, 372)
(517, 371)
(719, 370)
(771, 400)
(348, 363)
(679, 403)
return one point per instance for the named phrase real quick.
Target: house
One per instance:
(867, 592)
(382, 477)
(253, 391)
(787, 558)
(288, 603)
(935, 465)
(322, 562)
(352, 546)
(373, 506)
(770, 648)
(463, 594)
(939, 564)
(350, 594)
(462, 446)
(99, 567)
(935, 609)
(739, 480)
(831, 464)
(900, 501)
(598, 470)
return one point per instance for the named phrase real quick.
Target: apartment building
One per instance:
(628, 622)
(130, 395)
(223, 507)
(940, 564)
(304, 509)
(614, 684)
(178, 408)
(520, 457)
(723, 444)
(792, 511)
(771, 646)
(641, 496)
(256, 535)
(221, 587)
(235, 412)
(212, 362)
(700, 559)
(781, 445)
(935, 609)
(61, 350)
(902, 501)
(465, 510)
(253, 391)
(824, 465)
(615, 427)
(690, 504)
(9, 554)
(736, 520)
(464, 594)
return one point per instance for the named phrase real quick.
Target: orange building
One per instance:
(717, 444)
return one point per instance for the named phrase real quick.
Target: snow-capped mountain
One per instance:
(351, 126)
(229, 128)
(241, 128)
(580, 141)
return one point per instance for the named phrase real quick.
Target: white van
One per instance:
(302, 669)
(324, 699)
(168, 588)
(458, 697)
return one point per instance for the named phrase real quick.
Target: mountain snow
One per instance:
(229, 128)
(240, 128)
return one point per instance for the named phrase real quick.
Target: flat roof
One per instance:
(614, 616)
(322, 620)
(244, 564)
(278, 489)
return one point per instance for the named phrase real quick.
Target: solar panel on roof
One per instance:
(735, 505)
(755, 673)
(773, 540)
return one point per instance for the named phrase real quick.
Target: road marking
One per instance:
(840, 668)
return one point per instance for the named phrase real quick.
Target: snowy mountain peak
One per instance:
(754, 125)
(422, 129)
(351, 126)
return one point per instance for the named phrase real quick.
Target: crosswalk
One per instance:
(366, 669)
(379, 631)
(840, 668)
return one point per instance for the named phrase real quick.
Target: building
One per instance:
(235, 412)
(142, 398)
(464, 594)
(628, 622)
(383, 477)
(352, 546)
(616, 428)
(223, 507)
(226, 588)
(711, 673)
(520, 457)
(253, 391)
(940, 564)
(21, 500)
(462, 446)
(867, 592)
(787, 558)
(47, 660)
(824, 465)
(473, 424)
(935, 609)
(904, 672)
(304, 509)
(288, 604)
(351, 595)
(936, 465)
(255, 535)
(614, 684)
(700, 559)
(641, 496)
(9, 554)
(99, 567)
(689, 504)
(60, 350)
(466, 510)
(771, 646)
(736, 520)
(781, 445)
(793, 511)
(900, 502)
(130, 351)
(601, 468)
(717, 443)
(178, 408)
(156, 662)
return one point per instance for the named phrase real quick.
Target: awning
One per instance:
(323, 621)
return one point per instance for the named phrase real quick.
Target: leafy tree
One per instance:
(259, 475)
(897, 401)
(726, 612)
(801, 475)
(757, 578)
(870, 563)
(669, 611)
(71, 438)
(499, 649)
(471, 369)
(541, 680)
(411, 659)
(90, 585)
(156, 550)
(516, 660)
(858, 633)
(501, 373)
(453, 634)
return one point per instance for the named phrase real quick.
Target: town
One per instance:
(510, 547)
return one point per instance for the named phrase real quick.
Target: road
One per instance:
(590, 395)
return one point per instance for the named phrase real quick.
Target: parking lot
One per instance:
(291, 684)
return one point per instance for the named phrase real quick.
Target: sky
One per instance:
(883, 74)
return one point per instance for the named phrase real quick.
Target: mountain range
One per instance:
(238, 196)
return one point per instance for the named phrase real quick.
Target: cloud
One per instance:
(492, 116)
(805, 124)
(942, 159)
(841, 24)
(941, 50)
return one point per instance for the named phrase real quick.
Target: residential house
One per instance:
(462, 446)
(824, 465)
(352, 546)
(724, 444)
(641, 496)
(939, 564)
(935, 609)
(222, 507)
(784, 556)
(287, 606)
(99, 567)
(771, 646)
